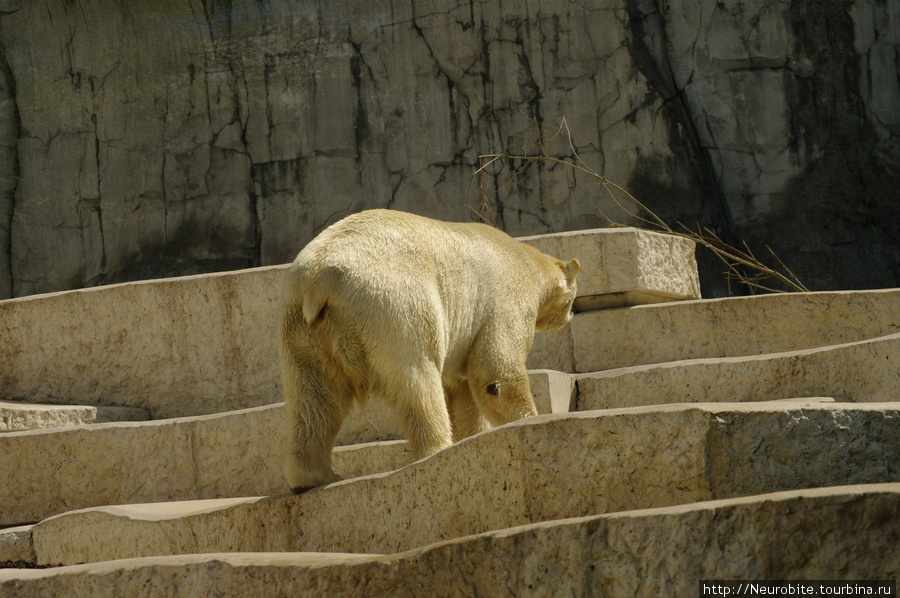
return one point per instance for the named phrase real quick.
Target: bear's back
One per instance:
(409, 267)
(378, 243)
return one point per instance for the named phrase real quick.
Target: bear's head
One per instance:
(556, 306)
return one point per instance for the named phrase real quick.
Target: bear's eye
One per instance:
(492, 389)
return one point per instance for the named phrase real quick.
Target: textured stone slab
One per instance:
(356, 460)
(175, 347)
(211, 456)
(844, 532)
(234, 454)
(861, 371)
(553, 350)
(554, 392)
(513, 475)
(737, 326)
(16, 544)
(30, 416)
(625, 266)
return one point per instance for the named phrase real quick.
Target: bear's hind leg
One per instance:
(311, 438)
(315, 406)
(422, 409)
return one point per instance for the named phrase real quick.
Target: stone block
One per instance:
(15, 416)
(211, 456)
(16, 544)
(844, 532)
(737, 326)
(553, 350)
(175, 347)
(625, 266)
(517, 474)
(864, 371)
(554, 392)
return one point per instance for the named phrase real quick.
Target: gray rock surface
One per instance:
(16, 544)
(167, 137)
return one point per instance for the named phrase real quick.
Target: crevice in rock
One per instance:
(649, 45)
(649, 29)
(9, 172)
(162, 186)
(218, 15)
(493, 134)
(361, 131)
(100, 276)
(453, 89)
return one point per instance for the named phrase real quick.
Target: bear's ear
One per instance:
(571, 269)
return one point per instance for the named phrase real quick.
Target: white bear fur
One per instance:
(435, 318)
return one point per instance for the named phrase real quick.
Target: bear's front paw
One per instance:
(301, 477)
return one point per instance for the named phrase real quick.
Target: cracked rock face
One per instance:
(166, 137)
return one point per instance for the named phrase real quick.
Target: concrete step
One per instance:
(237, 453)
(844, 532)
(219, 455)
(211, 456)
(19, 416)
(860, 371)
(734, 327)
(180, 346)
(540, 469)
(207, 344)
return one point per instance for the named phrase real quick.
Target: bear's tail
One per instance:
(305, 296)
(313, 292)
(310, 303)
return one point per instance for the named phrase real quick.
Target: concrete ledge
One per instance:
(180, 346)
(207, 344)
(539, 469)
(237, 453)
(862, 371)
(211, 456)
(732, 327)
(30, 416)
(844, 532)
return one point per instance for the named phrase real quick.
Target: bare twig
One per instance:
(741, 265)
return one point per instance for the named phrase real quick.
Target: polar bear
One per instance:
(436, 318)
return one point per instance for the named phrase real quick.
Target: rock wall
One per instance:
(162, 137)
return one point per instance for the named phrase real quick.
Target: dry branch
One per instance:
(741, 265)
